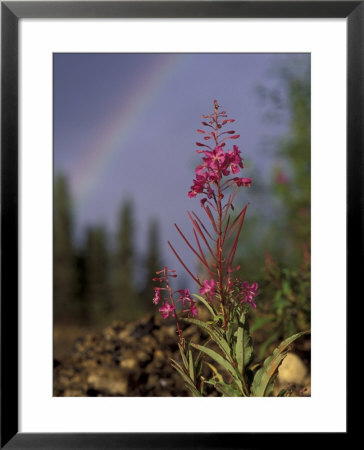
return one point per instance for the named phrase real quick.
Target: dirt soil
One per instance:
(133, 359)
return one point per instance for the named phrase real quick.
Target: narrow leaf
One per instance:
(223, 363)
(259, 322)
(211, 217)
(235, 221)
(215, 336)
(202, 225)
(202, 254)
(244, 346)
(186, 378)
(230, 201)
(198, 229)
(184, 359)
(215, 372)
(184, 265)
(231, 331)
(225, 389)
(190, 246)
(262, 385)
(191, 367)
(206, 303)
(226, 228)
(233, 248)
(263, 348)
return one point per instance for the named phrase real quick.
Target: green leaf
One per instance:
(215, 335)
(286, 288)
(266, 344)
(249, 376)
(244, 346)
(231, 331)
(263, 382)
(198, 369)
(225, 389)
(219, 319)
(188, 382)
(215, 372)
(194, 391)
(259, 322)
(223, 363)
(282, 392)
(184, 359)
(206, 303)
(191, 366)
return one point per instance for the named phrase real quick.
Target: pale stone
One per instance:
(128, 363)
(108, 380)
(158, 354)
(292, 370)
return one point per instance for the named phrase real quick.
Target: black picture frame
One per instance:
(11, 12)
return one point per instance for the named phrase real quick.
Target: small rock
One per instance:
(152, 381)
(73, 393)
(107, 380)
(158, 354)
(148, 341)
(128, 363)
(143, 357)
(292, 370)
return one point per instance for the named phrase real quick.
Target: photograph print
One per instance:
(181, 225)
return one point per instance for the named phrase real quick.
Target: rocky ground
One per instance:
(133, 359)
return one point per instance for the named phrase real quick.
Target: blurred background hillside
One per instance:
(124, 133)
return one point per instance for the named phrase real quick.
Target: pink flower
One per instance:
(198, 185)
(200, 169)
(157, 296)
(249, 292)
(243, 181)
(193, 309)
(281, 177)
(235, 160)
(208, 288)
(167, 310)
(215, 159)
(212, 176)
(185, 296)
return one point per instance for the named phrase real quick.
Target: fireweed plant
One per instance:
(228, 352)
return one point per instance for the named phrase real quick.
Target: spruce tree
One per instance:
(63, 252)
(151, 264)
(295, 148)
(125, 299)
(96, 276)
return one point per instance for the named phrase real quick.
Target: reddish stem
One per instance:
(198, 229)
(219, 237)
(174, 306)
(202, 254)
(184, 265)
(190, 246)
(202, 225)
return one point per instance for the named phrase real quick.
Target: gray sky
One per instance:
(125, 126)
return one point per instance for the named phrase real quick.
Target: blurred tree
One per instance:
(97, 295)
(63, 252)
(151, 263)
(126, 301)
(278, 219)
(285, 306)
(82, 317)
(293, 186)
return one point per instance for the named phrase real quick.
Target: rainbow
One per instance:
(116, 130)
